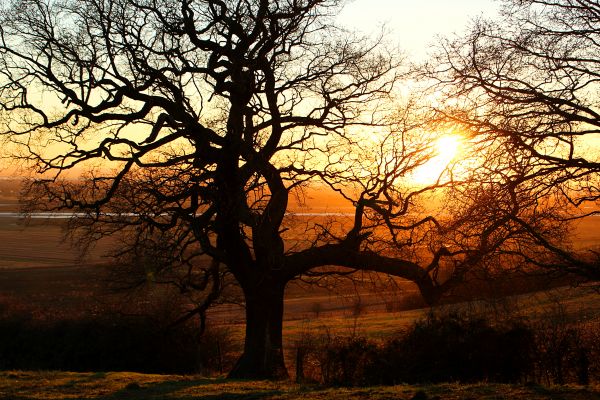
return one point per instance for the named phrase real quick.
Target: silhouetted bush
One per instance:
(590, 335)
(335, 360)
(566, 352)
(439, 348)
(455, 347)
(349, 361)
(111, 344)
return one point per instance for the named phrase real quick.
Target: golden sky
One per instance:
(414, 24)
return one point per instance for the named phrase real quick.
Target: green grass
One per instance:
(18, 385)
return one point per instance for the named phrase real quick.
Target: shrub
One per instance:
(335, 360)
(111, 343)
(439, 348)
(455, 347)
(350, 361)
(567, 352)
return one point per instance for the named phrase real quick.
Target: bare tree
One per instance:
(195, 121)
(529, 85)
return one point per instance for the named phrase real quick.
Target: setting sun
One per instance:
(445, 150)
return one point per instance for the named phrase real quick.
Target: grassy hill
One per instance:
(112, 386)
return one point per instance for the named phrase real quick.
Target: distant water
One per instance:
(50, 215)
(41, 215)
(320, 214)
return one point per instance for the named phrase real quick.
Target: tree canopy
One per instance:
(528, 83)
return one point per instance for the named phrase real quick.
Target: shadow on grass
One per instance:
(160, 390)
(96, 376)
(169, 389)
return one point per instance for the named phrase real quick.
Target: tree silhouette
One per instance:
(529, 84)
(194, 122)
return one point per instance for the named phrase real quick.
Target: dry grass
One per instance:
(18, 385)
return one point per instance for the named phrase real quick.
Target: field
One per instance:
(38, 267)
(17, 385)
(40, 270)
(43, 275)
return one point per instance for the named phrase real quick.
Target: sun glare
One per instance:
(446, 149)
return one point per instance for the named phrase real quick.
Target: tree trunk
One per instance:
(263, 347)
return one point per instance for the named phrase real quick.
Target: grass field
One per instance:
(17, 385)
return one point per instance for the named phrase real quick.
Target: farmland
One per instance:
(40, 267)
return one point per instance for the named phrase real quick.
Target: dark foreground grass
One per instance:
(19, 385)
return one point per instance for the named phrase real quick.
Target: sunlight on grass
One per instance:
(125, 385)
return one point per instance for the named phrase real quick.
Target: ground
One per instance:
(17, 385)
(40, 271)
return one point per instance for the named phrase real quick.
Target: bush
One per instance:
(567, 353)
(335, 360)
(454, 347)
(111, 344)
(440, 348)
(349, 361)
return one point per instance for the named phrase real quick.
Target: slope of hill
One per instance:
(112, 386)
